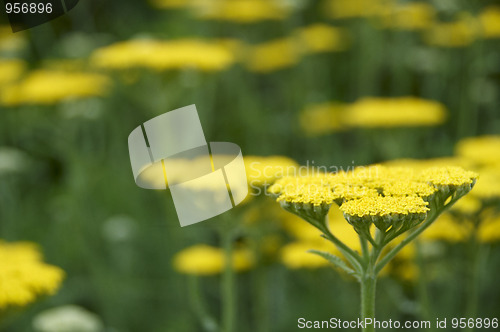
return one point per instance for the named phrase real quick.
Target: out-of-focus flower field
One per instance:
(327, 84)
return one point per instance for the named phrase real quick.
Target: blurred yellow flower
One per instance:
(319, 38)
(355, 8)
(447, 228)
(482, 150)
(408, 16)
(420, 164)
(273, 55)
(11, 70)
(9, 41)
(295, 255)
(164, 55)
(320, 119)
(488, 185)
(240, 11)
(206, 260)
(490, 22)
(459, 33)
(50, 87)
(24, 277)
(286, 52)
(395, 112)
(263, 171)
(489, 230)
(468, 205)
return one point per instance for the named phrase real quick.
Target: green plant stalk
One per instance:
(368, 287)
(478, 257)
(228, 285)
(207, 321)
(368, 280)
(423, 294)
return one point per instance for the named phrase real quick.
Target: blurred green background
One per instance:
(71, 190)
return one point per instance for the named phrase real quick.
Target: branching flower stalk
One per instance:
(381, 204)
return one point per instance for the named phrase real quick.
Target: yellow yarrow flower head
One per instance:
(394, 112)
(11, 43)
(24, 277)
(490, 22)
(11, 70)
(459, 33)
(295, 255)
(241, 11)
(482, 150)
(163, 55)
(320, 38)
(320, 119)
(204, 260)
(488, 188)
(385, 212)
(272, 55)
(450, 181)
(309, 197)
(50, 87)
(264, 171)
(396, 198)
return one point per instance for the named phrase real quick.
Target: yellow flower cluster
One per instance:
(489, 186)
(385, 206)
(323, 118)
(319, 119)
(24, 277)
(394, 112)
(10, 42)
(379, 194)
(459, 33)
(490, 22)
(482, 150)
(237, 11)
(264, 171)
(449, 176)
(241, 11)
(204, 260)
(286, 52)
(164, 55)
(50, 87)
(11, 70)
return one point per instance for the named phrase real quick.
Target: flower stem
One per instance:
(368, 286)
(207, 321)
(228, 285)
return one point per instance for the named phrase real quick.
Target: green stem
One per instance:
(368, 286)
(478, 258)
(207, 321)
(368, 279)
(228, 285)
(423, 294)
